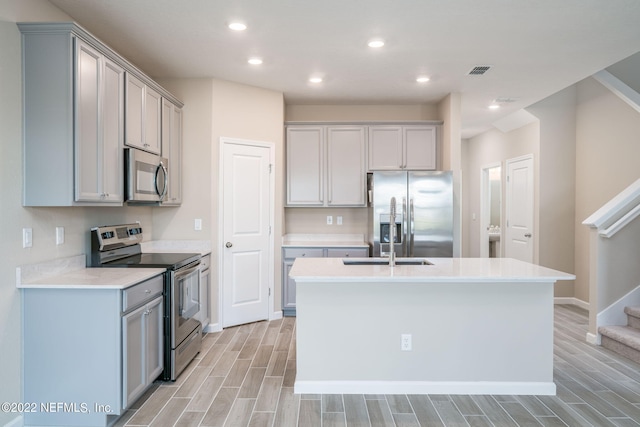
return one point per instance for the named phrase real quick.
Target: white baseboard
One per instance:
(16, 422)
(212, 327)
(572, 301)
(276, 315)
(425, 387)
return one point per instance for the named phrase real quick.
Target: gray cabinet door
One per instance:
(134, 376)
(346, 173)
(154, 340)
(99, 126)
(142, 349)
(172, 150)
(143, 112)
(305, 166)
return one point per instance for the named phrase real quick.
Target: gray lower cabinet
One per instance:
(289, 255)
(95, 350)
(142, 339)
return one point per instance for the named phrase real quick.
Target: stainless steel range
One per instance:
(119, 246)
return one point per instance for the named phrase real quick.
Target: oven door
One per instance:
(185, 302)
(147, 176)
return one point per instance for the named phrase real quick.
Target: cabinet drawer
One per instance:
(344, 253)
(142, 292)
(303, 252)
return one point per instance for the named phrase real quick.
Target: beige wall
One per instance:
(486, 149)
(557, 185)
(450, 112)
(214, 109)
(256, 114)
(607, 153)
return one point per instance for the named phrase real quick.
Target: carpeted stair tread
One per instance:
(632, 311)
(626, 335)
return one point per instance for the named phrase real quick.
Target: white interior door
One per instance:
(247, 190)
(519, 209)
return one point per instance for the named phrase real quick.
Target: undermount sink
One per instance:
(385, 261)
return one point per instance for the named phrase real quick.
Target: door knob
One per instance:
(229, 244)
(527, 235)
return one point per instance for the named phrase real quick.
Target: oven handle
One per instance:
(185, 272)
(178, 275)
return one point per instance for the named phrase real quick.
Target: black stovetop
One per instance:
(171, 261)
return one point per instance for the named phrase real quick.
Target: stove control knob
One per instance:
(229, 244)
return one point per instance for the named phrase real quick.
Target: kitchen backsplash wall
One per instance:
(314, 221)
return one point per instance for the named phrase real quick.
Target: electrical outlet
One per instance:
(329, 220)
(405, 342)
(59, 235)
(339, 219)
(197, 224)
(27, 237)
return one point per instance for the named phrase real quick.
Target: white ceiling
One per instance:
(534, 47)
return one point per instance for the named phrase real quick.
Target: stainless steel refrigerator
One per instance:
(424, 213)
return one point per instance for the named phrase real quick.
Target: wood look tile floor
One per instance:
(244, 377)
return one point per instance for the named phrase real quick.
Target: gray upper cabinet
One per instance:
(403, 148)
(172, 150)
(326, 165)
(144, 107)
(346, 170)
(74, 108)
(99, 127)
(305, 165)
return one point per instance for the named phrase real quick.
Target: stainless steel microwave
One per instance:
(146, 177)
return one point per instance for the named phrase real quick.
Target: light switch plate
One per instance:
(197, 224)
(329, 220)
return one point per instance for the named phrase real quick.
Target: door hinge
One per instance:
(270, 167)
(269, 230)
(269, 291)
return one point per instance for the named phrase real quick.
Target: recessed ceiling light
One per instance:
(237, 26)
(494, 106)
(315, 79)
(255, 61)
(376, 43)
(422, 79)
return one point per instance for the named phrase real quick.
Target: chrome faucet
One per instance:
(392, 233)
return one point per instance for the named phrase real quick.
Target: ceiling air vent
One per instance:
(479, 70)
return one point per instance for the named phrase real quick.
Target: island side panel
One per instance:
(471, 337)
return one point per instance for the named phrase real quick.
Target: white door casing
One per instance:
(246, 240)
(486, 195)
(519, 209)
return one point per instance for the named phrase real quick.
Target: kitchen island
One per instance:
(459, 326)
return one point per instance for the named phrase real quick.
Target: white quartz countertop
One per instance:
(480, 270)
(94, 278)
(324, 240)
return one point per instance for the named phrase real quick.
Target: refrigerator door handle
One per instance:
(405, 223)
(411, 227)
